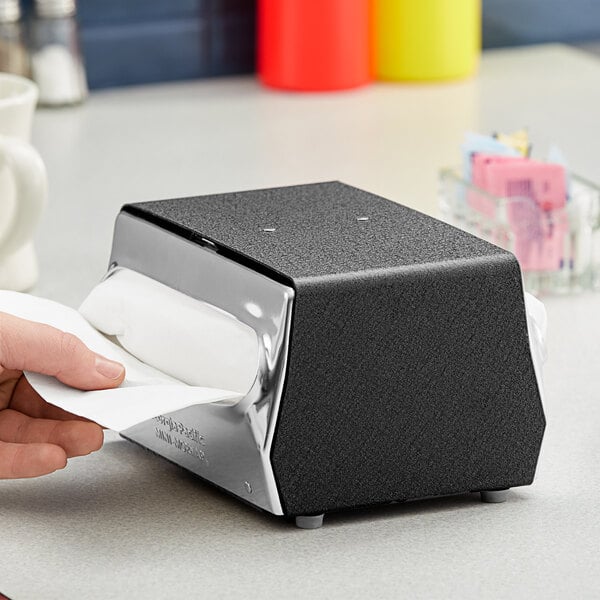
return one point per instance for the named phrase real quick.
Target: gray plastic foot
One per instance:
(494, 496)
(309, 521)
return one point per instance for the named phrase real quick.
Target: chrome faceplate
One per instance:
(228, 444)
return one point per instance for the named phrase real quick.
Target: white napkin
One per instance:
(185, 338)
(183, 341)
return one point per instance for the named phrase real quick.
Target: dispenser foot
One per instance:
(494, 496)
(309, 521)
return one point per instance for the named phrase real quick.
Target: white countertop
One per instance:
(124, 524)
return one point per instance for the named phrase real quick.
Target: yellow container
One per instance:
(426, 39)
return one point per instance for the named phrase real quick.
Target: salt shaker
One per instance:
(57, 64)
(13, 53)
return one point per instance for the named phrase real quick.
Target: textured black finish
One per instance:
(409, 373)
(318, 233)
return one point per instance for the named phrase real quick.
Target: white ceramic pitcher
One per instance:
(23, 184)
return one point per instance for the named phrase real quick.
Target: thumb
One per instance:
(29, 346)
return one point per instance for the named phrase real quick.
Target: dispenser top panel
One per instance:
(315, 230)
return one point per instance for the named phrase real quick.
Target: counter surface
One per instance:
(124, 524)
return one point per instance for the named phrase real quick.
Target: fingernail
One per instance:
(108, 368)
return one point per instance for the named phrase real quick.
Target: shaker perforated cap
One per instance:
(10, 11)
(55, 8)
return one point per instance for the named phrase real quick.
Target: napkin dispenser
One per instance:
(396, 358)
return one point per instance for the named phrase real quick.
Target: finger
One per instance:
(27, 401)
(29, 346)
(74, 437)
(8, 383)
(30, 460)
(8, 375)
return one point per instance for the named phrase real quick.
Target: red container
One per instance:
(314, 44)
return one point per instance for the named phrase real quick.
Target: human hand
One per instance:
(36, 438)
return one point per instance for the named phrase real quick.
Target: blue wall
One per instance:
(517, 22)
(143, 41)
